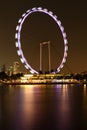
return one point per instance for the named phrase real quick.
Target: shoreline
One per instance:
(37, 83)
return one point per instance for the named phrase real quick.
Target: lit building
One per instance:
(10, 70)
(15, 67)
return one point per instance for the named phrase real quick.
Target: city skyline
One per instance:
(73, 17)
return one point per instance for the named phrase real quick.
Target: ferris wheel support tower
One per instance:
(49, 56)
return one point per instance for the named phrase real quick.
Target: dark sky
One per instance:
(72, 14)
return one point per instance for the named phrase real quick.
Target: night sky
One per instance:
(40, 27)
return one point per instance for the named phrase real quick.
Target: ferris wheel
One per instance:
(18, 36)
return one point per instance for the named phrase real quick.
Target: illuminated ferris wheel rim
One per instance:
(18, 35)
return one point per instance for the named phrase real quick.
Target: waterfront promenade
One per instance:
(44, 79)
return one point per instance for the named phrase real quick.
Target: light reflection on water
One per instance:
(43, 107)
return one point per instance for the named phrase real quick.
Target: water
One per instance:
(43, 107)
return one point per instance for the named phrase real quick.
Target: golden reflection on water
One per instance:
(31, 105)
(64, 106)
(85, 90)
(64, 91)
(85, 96)
(27, 102)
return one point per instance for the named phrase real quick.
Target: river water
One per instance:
(43, 107)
